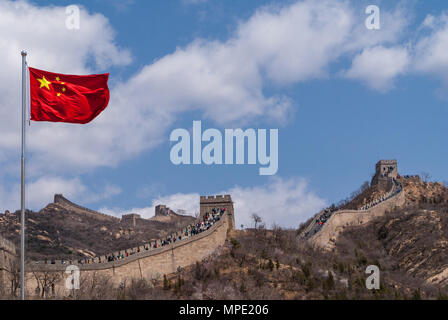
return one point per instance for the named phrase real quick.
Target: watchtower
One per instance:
(207, 203)
(385, 171)
(162, 210)
(130, 219)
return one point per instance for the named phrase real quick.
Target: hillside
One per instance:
(412, 239)
(61, 232)
(409, 245)
(408, 242)
(271, 264)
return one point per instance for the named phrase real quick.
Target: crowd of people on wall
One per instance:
(321, 220)
(324, 217)
(327, 213)
(395, 190)
(416, 176)
(204, 224)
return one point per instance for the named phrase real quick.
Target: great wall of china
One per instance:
(325, 236)
(148, 261)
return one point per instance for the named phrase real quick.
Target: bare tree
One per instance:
(95, 286)
(46, 281)
(257, 219)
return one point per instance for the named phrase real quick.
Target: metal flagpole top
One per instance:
(24, 53)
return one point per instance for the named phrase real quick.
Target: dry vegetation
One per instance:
(273, 264)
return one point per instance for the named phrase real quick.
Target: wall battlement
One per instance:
(216, 199)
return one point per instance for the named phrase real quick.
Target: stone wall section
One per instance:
(327, 236)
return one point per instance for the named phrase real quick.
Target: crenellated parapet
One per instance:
(216, 199)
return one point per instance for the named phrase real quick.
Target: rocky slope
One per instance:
(56, 232)
(408, 244)
(412, 240)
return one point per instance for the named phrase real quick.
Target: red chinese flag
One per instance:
(67, 98)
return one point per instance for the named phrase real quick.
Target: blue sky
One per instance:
(354, 96)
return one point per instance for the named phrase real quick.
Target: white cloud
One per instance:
(378, 66)
(284, 202)
(51, 46)
(431, 49)
(223, 80)
(422, 53)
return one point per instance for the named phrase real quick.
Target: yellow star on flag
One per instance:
(44, 83)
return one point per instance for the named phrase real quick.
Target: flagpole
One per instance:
(22, 240)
